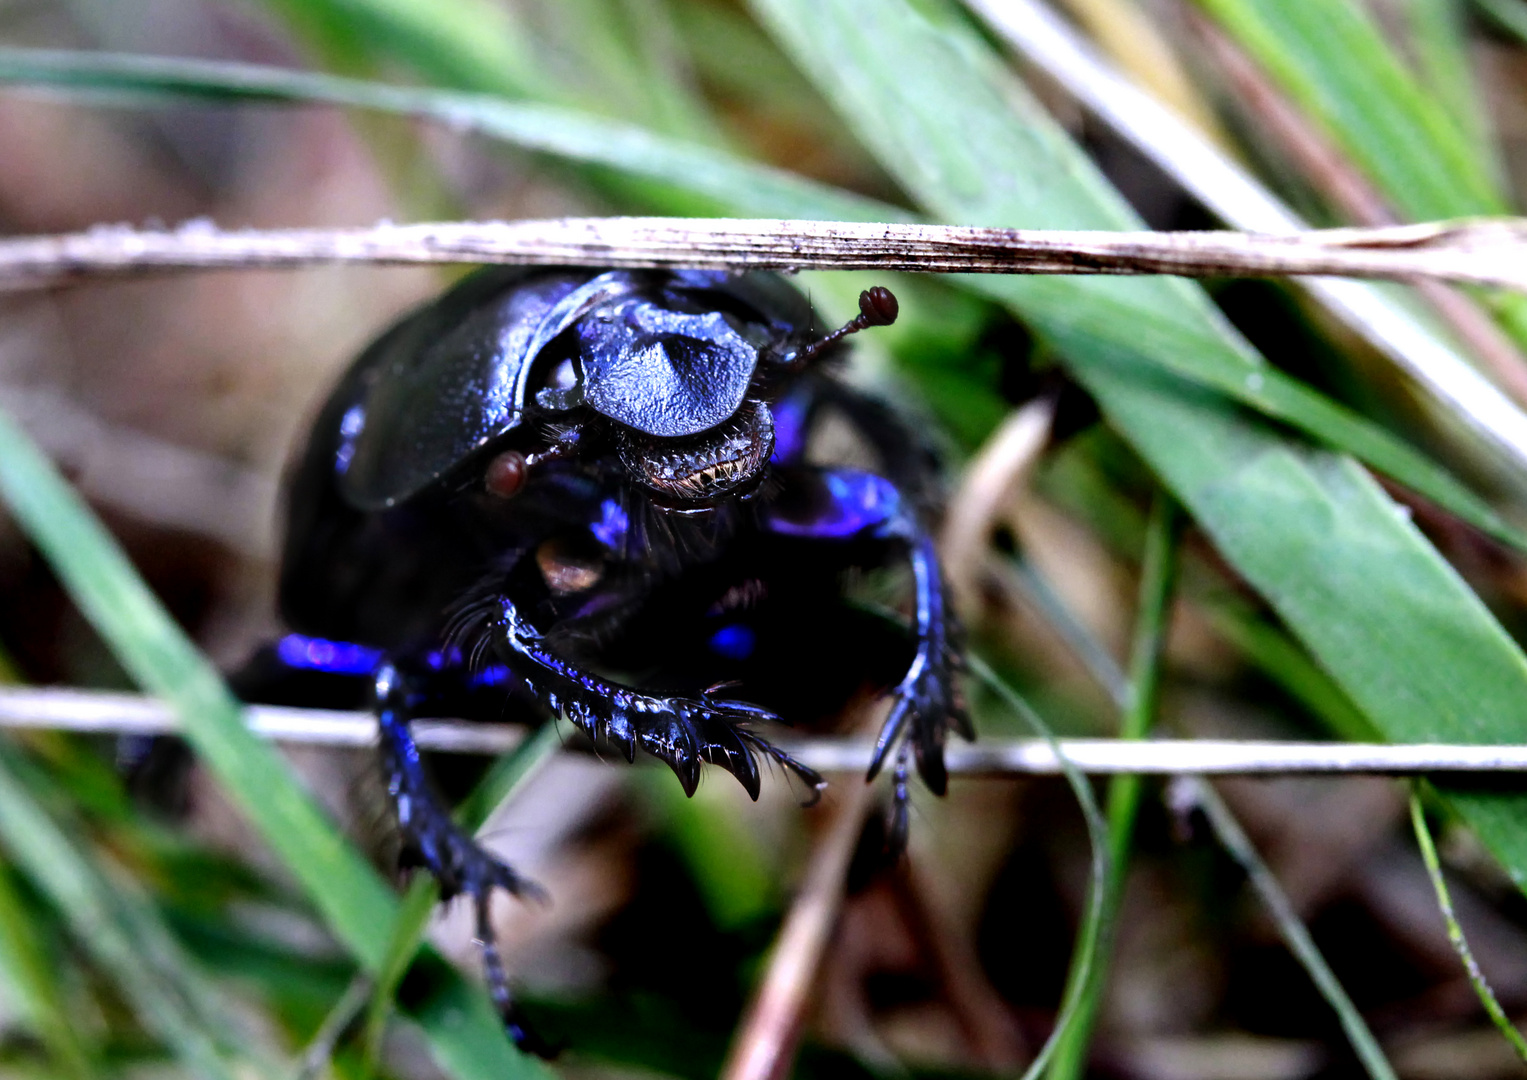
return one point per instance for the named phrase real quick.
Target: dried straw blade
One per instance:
(1479, 252)
(113, 713)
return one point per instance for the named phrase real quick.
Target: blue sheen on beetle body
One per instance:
(320, 654)
(734, 642)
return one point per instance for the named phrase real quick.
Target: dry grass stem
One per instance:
(1483, 252)
(764, 1046)
(132, 714)
(991, 484)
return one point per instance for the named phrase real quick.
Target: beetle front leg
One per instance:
(928, 697)
(683, 732)
(432, 839)
(848, 505)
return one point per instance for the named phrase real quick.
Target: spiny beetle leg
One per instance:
(897, 827)
(434, 842)
(928, 698)
(524, 1036)
(682, 732)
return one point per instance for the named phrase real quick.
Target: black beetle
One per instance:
(590, 490)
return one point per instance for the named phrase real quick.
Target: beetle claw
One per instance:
(929, 702)
(724, 746)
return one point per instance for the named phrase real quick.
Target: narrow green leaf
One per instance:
(505, 775)
(1286, 664)
(741, 187)
(1157, 579)
(1094, 926)
(1439, 34)
(1290, 926)
(1509, 15)
(1074, 481)
(632, 59)
(1391, 622)
(1460, 943)
(63, 873)
(354, 901)
(471, 44)
(408, 931)
(30, 976)
(419, 902)
(160, 658)
(1333, 60)
(1407, 137)
(1342, 564)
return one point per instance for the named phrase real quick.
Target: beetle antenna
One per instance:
(877, 307)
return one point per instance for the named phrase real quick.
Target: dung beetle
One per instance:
(590, 493)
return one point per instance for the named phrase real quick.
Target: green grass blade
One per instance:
(1333, 60)
(1343, 566)
(1460, 943)
(1509, 15)
(724, 181)
(1290, 926)
(1286, 664)
(29, 972)
(471, 44)
(630, 51)
(1084, 645)
(164, 662)
(1093, 929)
(408, 930)
(1157, 580)
(64, 874)
(505, 776)
(1440, 36)
(354, 901)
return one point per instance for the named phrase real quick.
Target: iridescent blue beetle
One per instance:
(591, 492)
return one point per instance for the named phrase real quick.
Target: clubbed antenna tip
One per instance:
(877, 307)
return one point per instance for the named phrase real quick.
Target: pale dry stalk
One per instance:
(1483, 252)
(764, 1047)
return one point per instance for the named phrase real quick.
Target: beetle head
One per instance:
(674, 375)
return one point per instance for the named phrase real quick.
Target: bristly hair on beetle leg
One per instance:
(469, 629)
(877, 307)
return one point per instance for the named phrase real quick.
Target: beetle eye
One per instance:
(506, 474)
(564, 376)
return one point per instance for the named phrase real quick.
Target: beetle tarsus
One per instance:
(522, 1033)
(898, 820)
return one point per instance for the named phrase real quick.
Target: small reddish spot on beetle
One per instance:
(506, 474)
(566, 570)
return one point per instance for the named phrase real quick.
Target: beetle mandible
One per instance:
(591, 490)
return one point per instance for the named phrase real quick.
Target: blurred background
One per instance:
(173, 404)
